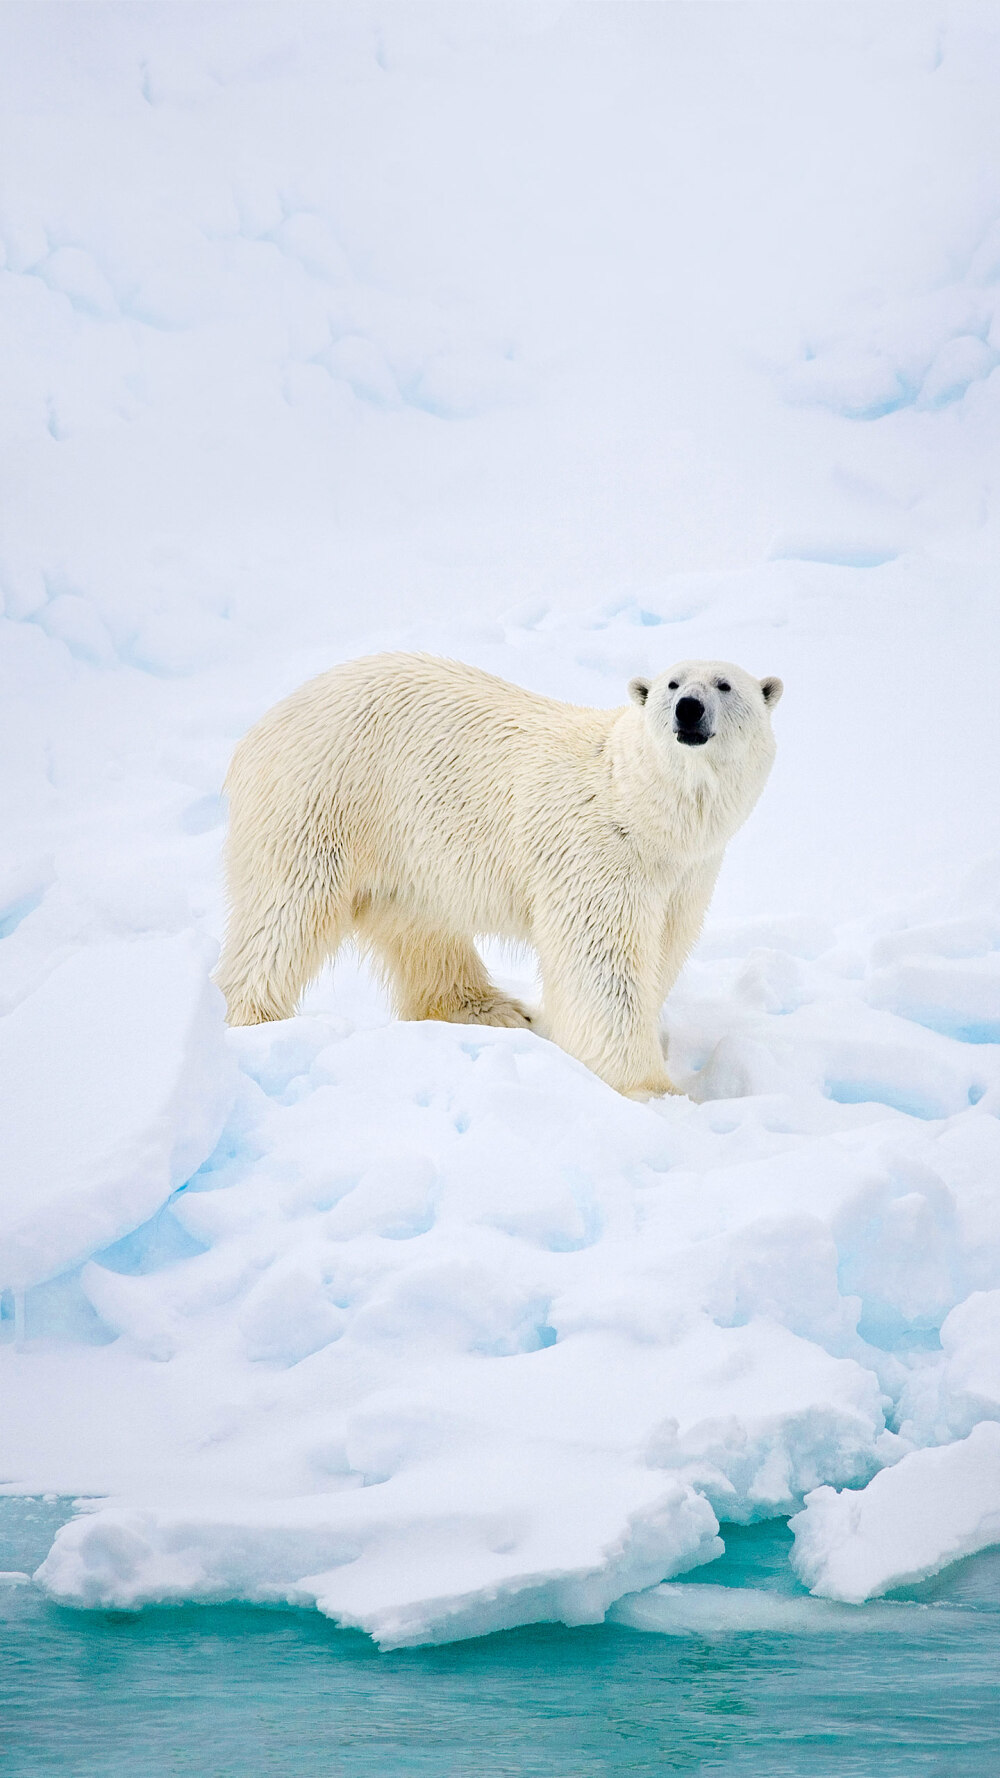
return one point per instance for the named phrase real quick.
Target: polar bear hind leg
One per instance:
(277, 940)
(433, 974)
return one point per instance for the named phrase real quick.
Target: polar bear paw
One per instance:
(654, 1090)
(509, 1014)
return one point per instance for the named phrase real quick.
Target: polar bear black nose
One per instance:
(689, 712)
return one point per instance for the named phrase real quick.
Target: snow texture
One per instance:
(116, 1088)
(429, 1558)
(570, 341)
(936, 1506)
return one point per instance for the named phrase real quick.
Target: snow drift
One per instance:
(116, 1088)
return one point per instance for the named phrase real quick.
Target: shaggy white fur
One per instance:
(416, 804)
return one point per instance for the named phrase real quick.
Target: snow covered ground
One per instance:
(569, 340)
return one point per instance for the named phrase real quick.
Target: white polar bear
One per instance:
(417, 804)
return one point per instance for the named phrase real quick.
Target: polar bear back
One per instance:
(435, 782)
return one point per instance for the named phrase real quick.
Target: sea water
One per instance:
(231, 1692)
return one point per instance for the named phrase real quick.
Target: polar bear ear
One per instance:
(772, 689)
(638, 690)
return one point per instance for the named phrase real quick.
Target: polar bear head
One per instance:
(708, 704)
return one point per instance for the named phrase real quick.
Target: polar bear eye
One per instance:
(723, 685)
(674, 683)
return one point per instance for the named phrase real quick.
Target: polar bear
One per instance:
(417, 804)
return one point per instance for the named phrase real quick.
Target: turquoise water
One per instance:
(232, 1692)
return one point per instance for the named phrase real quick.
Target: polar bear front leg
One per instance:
(684, 917)
(602, 995)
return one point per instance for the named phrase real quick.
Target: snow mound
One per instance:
(467, 1318)
(934, 1507)
(447, 1336)
(115, 1086)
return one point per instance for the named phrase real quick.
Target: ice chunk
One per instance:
(945, 1400)
(896, 1244)
(115, 1086)
(934, 1507)
(693, 1608)
(970, 1340)
(441, 1552)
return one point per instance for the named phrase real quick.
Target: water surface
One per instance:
(232, 1692)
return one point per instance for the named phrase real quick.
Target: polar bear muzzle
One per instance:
(692, 724)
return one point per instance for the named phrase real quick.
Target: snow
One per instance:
(418, 1563)
(568, 341)
(116, 1088)
(936, 1506)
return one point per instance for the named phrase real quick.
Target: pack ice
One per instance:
(444, 1336)
(382, 327)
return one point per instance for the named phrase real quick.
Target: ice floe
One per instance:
(934, 1507)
